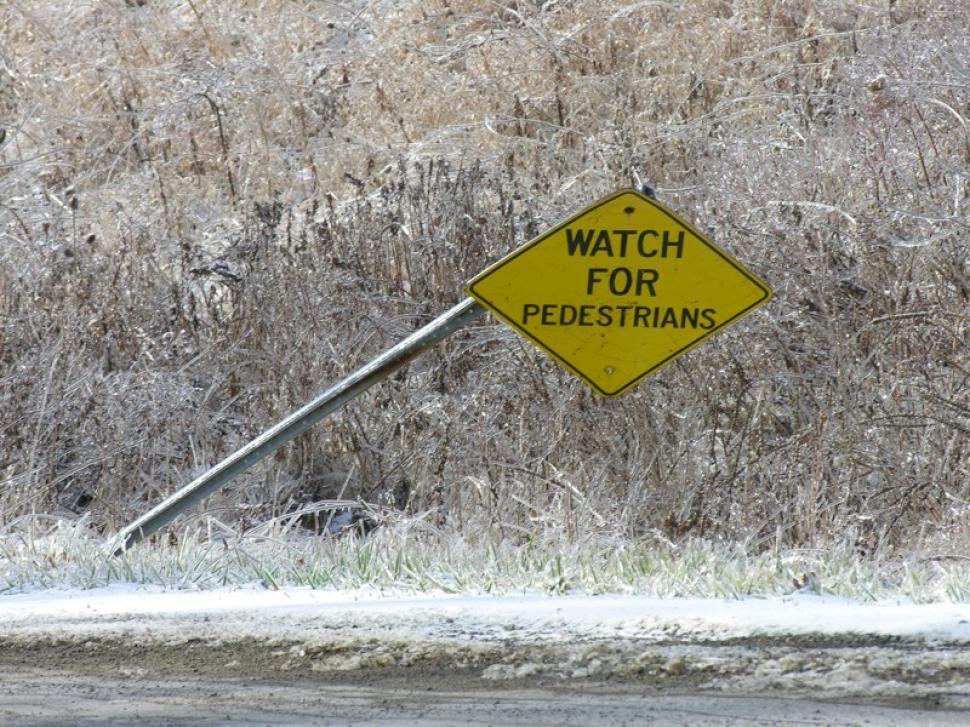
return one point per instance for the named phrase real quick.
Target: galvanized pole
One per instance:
(301, 420)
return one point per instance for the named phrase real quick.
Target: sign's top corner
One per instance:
(632, 194)
(630, 191)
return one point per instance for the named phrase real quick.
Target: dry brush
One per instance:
(210, 210)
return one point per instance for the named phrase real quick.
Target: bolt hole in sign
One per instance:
(619, 290)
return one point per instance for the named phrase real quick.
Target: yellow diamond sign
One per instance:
(619, 290)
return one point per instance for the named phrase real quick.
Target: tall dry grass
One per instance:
(210, 210)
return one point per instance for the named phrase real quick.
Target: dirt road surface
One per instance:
(41, 697)
(470, 662)
(121, 681)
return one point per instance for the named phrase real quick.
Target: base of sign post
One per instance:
(298, 422)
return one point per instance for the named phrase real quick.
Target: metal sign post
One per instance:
(298, 422)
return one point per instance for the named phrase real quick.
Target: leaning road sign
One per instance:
(619, 290)
(614, 293)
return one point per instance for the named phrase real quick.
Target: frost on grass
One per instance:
(46, 553)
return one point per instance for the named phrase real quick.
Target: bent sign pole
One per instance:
(613, 293)
(301, 420)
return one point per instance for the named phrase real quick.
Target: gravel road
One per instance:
(111, 681)
(41, 697)
(303, 657)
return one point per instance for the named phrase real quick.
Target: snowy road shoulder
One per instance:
(301, 612)
(824, 646)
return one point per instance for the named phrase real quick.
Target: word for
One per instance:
(622, 280)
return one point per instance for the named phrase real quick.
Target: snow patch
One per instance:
(304, 612)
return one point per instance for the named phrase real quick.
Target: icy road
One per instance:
(299, 656)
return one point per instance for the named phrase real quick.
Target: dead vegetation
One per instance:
(210, 210)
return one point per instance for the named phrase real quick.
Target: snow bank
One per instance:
(296, 612)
